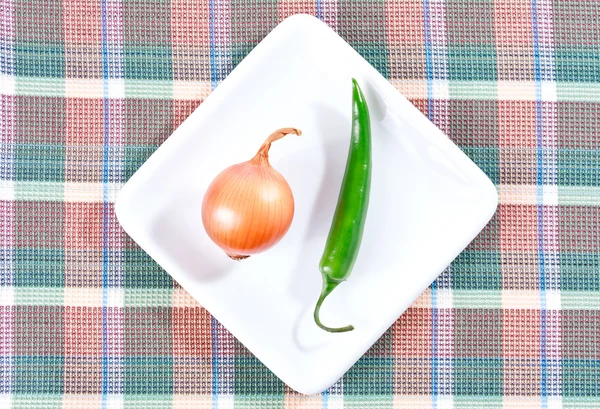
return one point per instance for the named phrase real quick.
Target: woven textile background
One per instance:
(90, 88)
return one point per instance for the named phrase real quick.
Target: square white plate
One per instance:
(428, 201)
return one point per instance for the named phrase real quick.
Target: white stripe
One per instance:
(335, 401)
(545, 30)
(549, 93)
(579, 300)
(550, 225)
(115, 299)
(520, 299)
(552, 194)
(223, 65)
(556, 402)
(92, 192)
(8, 83)
(223, 402)
(440, 92)
(222, 38)
(6, 399)
(439, 44)
(520, 402)
(92, 297)
(199, 90)
(414, 402)
(116, 88)
(445, 402)
(80, 400)
(444, 298)
(7, 193)
(226, 362)
(7, 299)
(196, 402)
(553, 300)
(330, 13)
(57, 191)
(115, 402)
(191, 90)
(76, 296)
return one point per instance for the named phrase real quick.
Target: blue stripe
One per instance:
(215, 363)
(434, 340)
(540, 207)
(430, 111)
(428, 59)
(213, 52)
(325, 397)
(319, 9)
(214, 323)
(106, 120)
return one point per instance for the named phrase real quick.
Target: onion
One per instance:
(249, 206)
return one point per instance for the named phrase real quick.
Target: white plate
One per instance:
(428, 201)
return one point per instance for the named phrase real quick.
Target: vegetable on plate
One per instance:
(346, 231)
(249, 206)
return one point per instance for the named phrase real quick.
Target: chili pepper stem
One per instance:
(328, 286)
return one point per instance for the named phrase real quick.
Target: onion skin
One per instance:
(249, 206)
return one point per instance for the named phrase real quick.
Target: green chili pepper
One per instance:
(345, 234)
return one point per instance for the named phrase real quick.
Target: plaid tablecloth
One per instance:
(90, 88)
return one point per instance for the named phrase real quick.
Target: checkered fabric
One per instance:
(90, 88)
